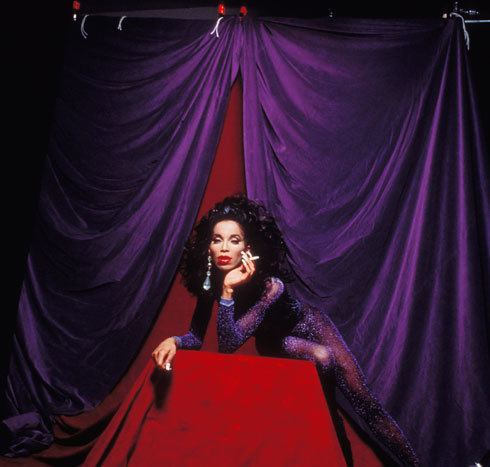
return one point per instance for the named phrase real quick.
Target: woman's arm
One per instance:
(232, 334)
(193, 339)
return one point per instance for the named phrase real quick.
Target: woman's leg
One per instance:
(327, 348)
(306, 350)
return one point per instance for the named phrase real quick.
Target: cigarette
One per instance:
(251, 257)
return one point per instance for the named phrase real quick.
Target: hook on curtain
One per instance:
(119, 26)
(215, 30)
(82, 27)
(466, 35)
(221, 14)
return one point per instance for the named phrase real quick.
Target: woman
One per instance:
(219, 264)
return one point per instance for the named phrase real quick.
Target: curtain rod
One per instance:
(210, 12)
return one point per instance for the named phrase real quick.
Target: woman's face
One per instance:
(227, 243)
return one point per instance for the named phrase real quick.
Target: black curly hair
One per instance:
(261, 232)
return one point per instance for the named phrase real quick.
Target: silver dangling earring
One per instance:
(207, 281)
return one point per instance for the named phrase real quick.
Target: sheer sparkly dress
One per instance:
(285, 327)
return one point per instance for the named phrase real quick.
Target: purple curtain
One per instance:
(138, 120)
(360, 137)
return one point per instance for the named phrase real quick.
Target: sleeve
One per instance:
(232, 334)
(193, 339)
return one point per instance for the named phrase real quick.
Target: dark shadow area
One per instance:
(328, 386)
(485, 460)
(161, 381)
(361, 428)
(35, 41)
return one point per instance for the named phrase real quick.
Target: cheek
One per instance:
(237, 252)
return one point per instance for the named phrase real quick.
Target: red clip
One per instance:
(243, 11)
(221, 9)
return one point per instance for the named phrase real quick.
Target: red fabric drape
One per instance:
(218, 409)
(76, 435)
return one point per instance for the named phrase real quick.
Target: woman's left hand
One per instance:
(240, 274)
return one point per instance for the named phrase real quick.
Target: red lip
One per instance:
(224, 259)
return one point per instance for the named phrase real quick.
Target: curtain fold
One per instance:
(362, 139)
(360, 136)
(137, 122)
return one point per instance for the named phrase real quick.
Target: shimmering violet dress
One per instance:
(284, 327)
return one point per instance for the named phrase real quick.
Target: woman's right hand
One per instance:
(242, 273)
(164, 353)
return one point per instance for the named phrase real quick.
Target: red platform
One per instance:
(220, 410)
